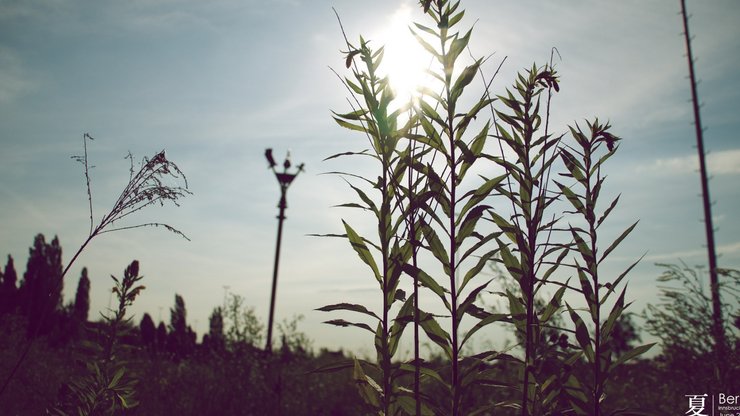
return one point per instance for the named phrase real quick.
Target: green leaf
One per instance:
(510, 262)
(116, 377)
(435, 245)
(456, 18)
(618, 240)
(608, 210)
(359, 245)
(582, 336)
(425, 29)
(408, 404)
(481, 193)
(472, 296)
(496, 317)
(583, 247)
(425, 371)
(368, 388)
(334, 366)
(435, 332)
(354, 115)
(466, 76)
(404, 316)
(457, 46)
(573, 165)
(614, 315)
(553, 306)
(349, 125)
(630, 355)
(588, 291)
(574, 199)
(612, 286)
(518, 313)
(475, 270)
(469, 223)
(510, 230)
(343, 323)
(348, 307)
(430, 112)
(426, 281)
(427, 46)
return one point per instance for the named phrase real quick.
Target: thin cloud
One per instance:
(14, 79)
(726, 249)
(726, 162)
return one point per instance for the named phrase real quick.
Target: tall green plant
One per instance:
(583, 162)
(372, 115)
(451, 204)
(526, 245)
(442, 209)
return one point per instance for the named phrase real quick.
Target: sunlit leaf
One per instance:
(362, 251)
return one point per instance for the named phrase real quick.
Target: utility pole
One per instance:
(718, 325)
(284, 179)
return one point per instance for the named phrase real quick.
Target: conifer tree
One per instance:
(82, 298)
(181, 337)
(8, 289)
(216, 329)
(148, 331)
(41, 288)
(161, 341)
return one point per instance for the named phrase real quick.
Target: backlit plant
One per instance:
(424, 198)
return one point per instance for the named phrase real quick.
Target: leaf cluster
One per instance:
(106, 387)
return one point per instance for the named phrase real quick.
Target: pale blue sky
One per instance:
(215, 83)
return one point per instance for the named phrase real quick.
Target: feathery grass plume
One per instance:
(147, 186)
(106, 387)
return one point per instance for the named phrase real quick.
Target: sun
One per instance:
(404, 61)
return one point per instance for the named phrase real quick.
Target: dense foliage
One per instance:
(229, 373)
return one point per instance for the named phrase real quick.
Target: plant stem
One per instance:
(590, 206)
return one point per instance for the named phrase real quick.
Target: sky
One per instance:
(215, 83)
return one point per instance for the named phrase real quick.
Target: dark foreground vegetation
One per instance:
(165, 371)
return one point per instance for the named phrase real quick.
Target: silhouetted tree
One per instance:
(41, 288)
(181, 339)
(148, 332)
(82, 298)
(161, 341)
(178, 316)
(214, 340)
(8, 290)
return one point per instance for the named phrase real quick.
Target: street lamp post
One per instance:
(284, 179)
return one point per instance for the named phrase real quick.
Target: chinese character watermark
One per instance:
(696, 404)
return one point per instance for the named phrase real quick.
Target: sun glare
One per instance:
(404, 60)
